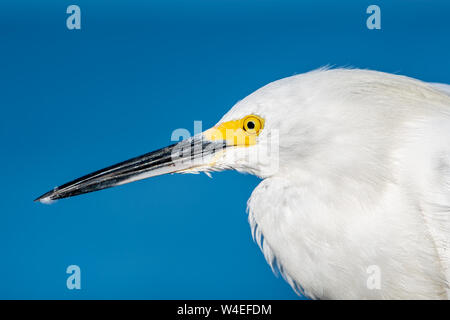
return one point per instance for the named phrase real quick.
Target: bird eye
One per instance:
(252, 124)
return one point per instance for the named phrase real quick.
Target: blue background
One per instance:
(76, 101)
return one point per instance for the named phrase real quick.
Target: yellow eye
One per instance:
(242, 132)
(253, 124)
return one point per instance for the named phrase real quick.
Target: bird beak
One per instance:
(189, 155)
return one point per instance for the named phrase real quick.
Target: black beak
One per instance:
(188, 154)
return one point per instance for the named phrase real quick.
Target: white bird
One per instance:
(355, 197)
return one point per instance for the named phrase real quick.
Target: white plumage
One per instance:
(363, 180)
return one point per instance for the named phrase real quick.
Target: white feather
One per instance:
(362, 179)
(442, 87)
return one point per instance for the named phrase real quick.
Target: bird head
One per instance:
(322, 123)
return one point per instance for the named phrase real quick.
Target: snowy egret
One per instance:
(356, 202)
